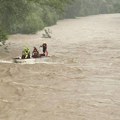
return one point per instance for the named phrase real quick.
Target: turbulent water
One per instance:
(79, 81)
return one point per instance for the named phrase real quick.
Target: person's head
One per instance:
(26, 48)
(35, 48)
(44, 44)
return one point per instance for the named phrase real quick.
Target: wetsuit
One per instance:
(44, 47)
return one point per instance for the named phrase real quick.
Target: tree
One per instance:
(13, 13)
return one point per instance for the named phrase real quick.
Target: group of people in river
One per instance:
(35, 52)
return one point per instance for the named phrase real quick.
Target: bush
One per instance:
(117, 7)
(32, 24)
(3, 37)
(50, 17)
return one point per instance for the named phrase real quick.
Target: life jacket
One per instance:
(26, 53)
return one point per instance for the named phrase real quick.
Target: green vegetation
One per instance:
(117, 6)
(30, 16)
(92, 7)
(3, 37)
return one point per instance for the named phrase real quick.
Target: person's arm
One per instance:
(41, 45)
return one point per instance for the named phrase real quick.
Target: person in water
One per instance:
(26, 53)
(44, 50)
(35, 53)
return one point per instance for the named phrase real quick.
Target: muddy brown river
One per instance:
(79, 81)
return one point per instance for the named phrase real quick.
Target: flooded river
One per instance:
(79, 81)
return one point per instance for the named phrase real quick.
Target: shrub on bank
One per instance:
(3, 37)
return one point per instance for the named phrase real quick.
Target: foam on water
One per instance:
(6, 61)
(29, 61)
